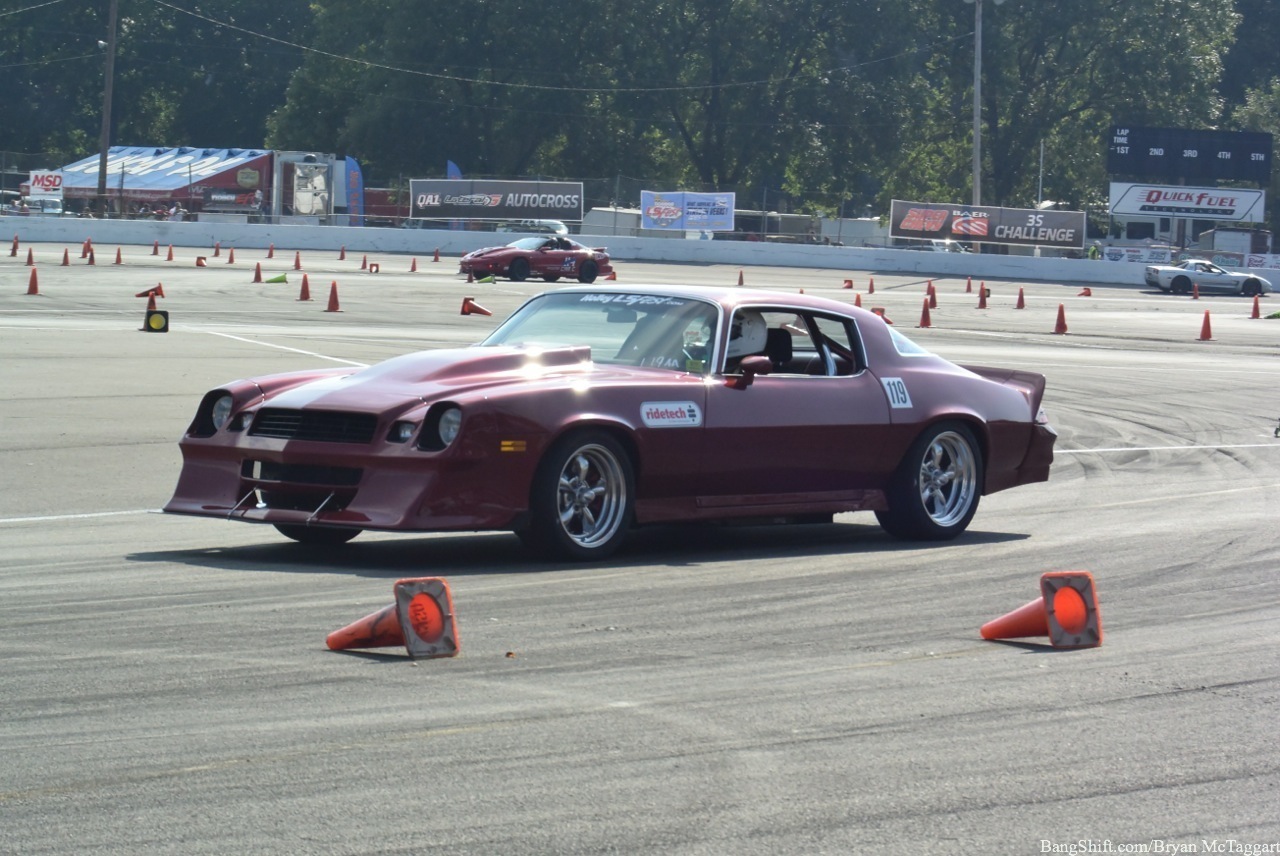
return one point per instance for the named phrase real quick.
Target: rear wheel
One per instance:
(935, 491)
(518, 270)
(328, 536)
(582, 497)
(589, 271)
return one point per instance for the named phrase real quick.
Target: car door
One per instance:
(810, 434)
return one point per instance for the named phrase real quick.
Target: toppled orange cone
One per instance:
(1066, 612)
(421, 619)
(470, 307)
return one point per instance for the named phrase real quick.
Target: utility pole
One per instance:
(108, 83)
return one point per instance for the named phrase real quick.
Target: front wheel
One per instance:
(582, 497)
(324, 536)
(934, 494)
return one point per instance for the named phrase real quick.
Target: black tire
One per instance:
(581, 502)
(935, 492)
(589, 271)
(324, 536)
(1181, 285)
(518, 270)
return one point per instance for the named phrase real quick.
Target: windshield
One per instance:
(672, 333)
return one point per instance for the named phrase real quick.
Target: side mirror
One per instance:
(749, 368)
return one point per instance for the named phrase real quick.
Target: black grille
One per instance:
(321, 426)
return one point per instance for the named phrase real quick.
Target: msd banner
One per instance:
(479, 199)
(987, 225)
(1201, 203)
(681, 211)
(46, 182)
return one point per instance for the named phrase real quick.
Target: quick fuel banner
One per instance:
(683, 211)
(983, 224)
(482, 199)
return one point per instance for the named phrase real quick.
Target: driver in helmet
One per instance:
(747, 335)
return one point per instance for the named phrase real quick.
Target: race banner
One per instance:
(482, 199)
(1200, 203)
(987, 225)
(683, 211)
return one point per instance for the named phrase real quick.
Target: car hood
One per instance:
(430, 375)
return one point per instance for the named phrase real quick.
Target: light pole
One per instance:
(977, 98)
(109, 74)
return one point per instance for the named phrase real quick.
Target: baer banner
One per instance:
(985, 224)
(482, 199)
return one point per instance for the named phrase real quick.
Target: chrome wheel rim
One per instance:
(591, 496)
(948, 479)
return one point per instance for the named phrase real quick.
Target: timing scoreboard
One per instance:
(1178, 154)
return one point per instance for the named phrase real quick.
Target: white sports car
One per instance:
(1204, 276)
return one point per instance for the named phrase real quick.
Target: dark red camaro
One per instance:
(549, 258)
(592, 410)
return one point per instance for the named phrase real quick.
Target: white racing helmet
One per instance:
(747, 333)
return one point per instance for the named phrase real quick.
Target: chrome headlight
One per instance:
(221, 411)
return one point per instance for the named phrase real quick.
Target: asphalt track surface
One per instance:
(165, 687)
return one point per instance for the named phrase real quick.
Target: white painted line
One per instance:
(59, 517)
(287, 348)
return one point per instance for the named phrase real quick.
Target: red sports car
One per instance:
(549, 257)
(591, 410)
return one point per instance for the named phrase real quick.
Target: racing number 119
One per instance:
(897, 391)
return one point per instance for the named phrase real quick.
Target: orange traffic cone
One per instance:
(119, 258)
(333, 298)
(257, 272)
(305, 293)
(297, 260)
(924, 315)
(342, 254)
(66, 257)
(169, 257)
(1060, 326)
(436, 257)
(740, 281)
(31, 259)
(33, 284)
(1257, 308)
(848, 283)
(1205, 333)
(413, 265)
(1066, 612)
(1022, 303)
(421, 619)
(470, 307)
(231, 256)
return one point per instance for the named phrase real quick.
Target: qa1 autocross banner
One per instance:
(483, 199)
(987, 225)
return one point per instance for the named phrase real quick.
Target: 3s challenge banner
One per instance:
(987, 225)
